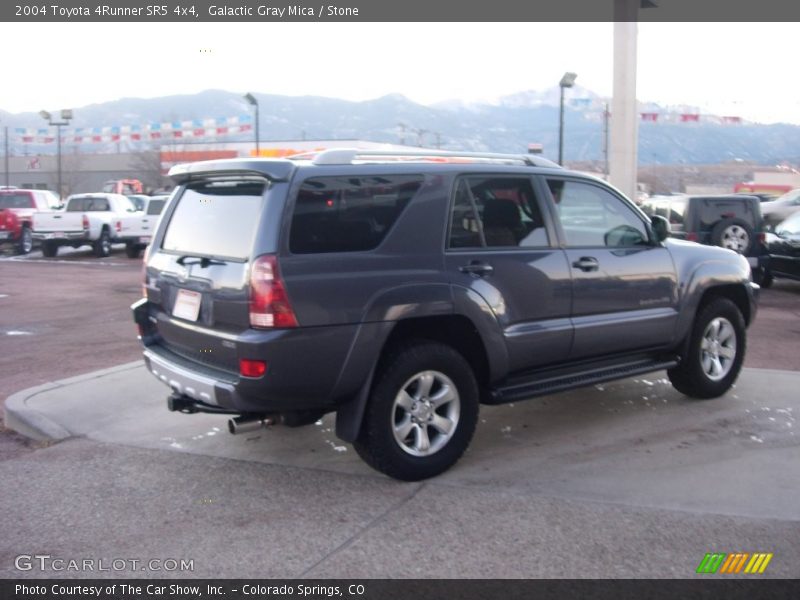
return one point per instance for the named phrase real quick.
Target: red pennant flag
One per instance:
(155, 135)
(245, 127)
(115, 137)
(49, 140)
(685, 118)
(136, 137)
(222, 130)
(97, 138)
(731, 119)
(199, 132)
(28, 139)
(177, 134)
(649, 117)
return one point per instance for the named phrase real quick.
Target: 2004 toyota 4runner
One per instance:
(404, 290)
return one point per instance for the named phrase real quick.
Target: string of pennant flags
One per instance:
(195, 128)
(663, 116)
(212, 128)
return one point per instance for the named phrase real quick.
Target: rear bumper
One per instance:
(304, 365)
(67, 236)
(8, 236)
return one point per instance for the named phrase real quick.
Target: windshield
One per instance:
(216, 219)
(788, 196)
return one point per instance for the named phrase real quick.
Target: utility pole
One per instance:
(606, 115)
(402, 127)
(6, 153)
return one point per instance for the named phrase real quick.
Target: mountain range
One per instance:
(506, 124)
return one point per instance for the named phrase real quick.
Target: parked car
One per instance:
(136, 230)
(17, 207)
(86, 219)
(782, 249)
(401, 291)
(778, 210)
(730, 221)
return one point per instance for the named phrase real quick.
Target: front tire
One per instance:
(421, 414)
(715, 354)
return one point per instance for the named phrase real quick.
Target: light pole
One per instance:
(252, 100)
(567, 81)
(66, 115)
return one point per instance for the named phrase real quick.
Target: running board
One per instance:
(544, 383)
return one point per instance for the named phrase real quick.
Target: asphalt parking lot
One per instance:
(629, 479)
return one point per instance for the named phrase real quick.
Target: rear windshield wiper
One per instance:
(203, 261)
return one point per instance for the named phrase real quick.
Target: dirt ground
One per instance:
(64, 317)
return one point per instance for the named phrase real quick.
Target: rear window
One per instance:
(216, 219)
(348, 214)
(155, 207)
(88, 204)
(16, 201)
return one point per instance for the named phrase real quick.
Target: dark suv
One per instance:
(730, 221)
(402, 291)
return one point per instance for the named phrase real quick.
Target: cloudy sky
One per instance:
(738, 69)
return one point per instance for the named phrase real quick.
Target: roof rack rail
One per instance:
(347, 156)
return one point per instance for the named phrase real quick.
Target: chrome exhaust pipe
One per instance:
(245, 424)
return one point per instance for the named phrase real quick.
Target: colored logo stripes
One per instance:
(737, 562)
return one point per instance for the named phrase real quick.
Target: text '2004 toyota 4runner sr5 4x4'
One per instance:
(401, 291)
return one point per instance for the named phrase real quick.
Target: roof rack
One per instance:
(347, 156)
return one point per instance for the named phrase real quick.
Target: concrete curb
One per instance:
(35, 425)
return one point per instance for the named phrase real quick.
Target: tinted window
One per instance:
(16, 201)
(88, 204)
(592, 216)
(348, 214)
(215, 219)
(496, 212)
(155, 207)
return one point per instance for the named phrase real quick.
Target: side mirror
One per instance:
(661, 227)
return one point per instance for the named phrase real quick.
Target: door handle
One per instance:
(477, 268)
(586, 263)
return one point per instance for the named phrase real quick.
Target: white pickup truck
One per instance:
(85, 219)
(137, 230)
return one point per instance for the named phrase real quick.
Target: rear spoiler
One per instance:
(273, 169)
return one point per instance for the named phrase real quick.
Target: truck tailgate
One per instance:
(54, 222)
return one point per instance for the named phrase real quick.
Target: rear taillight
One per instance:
(692, 236)
(118, 226)
(269, 302)
(252, 368)
(85, 222)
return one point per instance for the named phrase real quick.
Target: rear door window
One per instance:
(348, 214)
(216, 219)
(497, 212)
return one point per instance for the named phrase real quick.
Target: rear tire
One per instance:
(766, 279)
(421, 414)
(49, 249)
(715, 354)
(733, 234)
(133, 251)
(102, 246)
(25, 244)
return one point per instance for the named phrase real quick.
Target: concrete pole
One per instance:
(623, 159)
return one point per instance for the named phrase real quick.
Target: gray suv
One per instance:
(402, 291)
